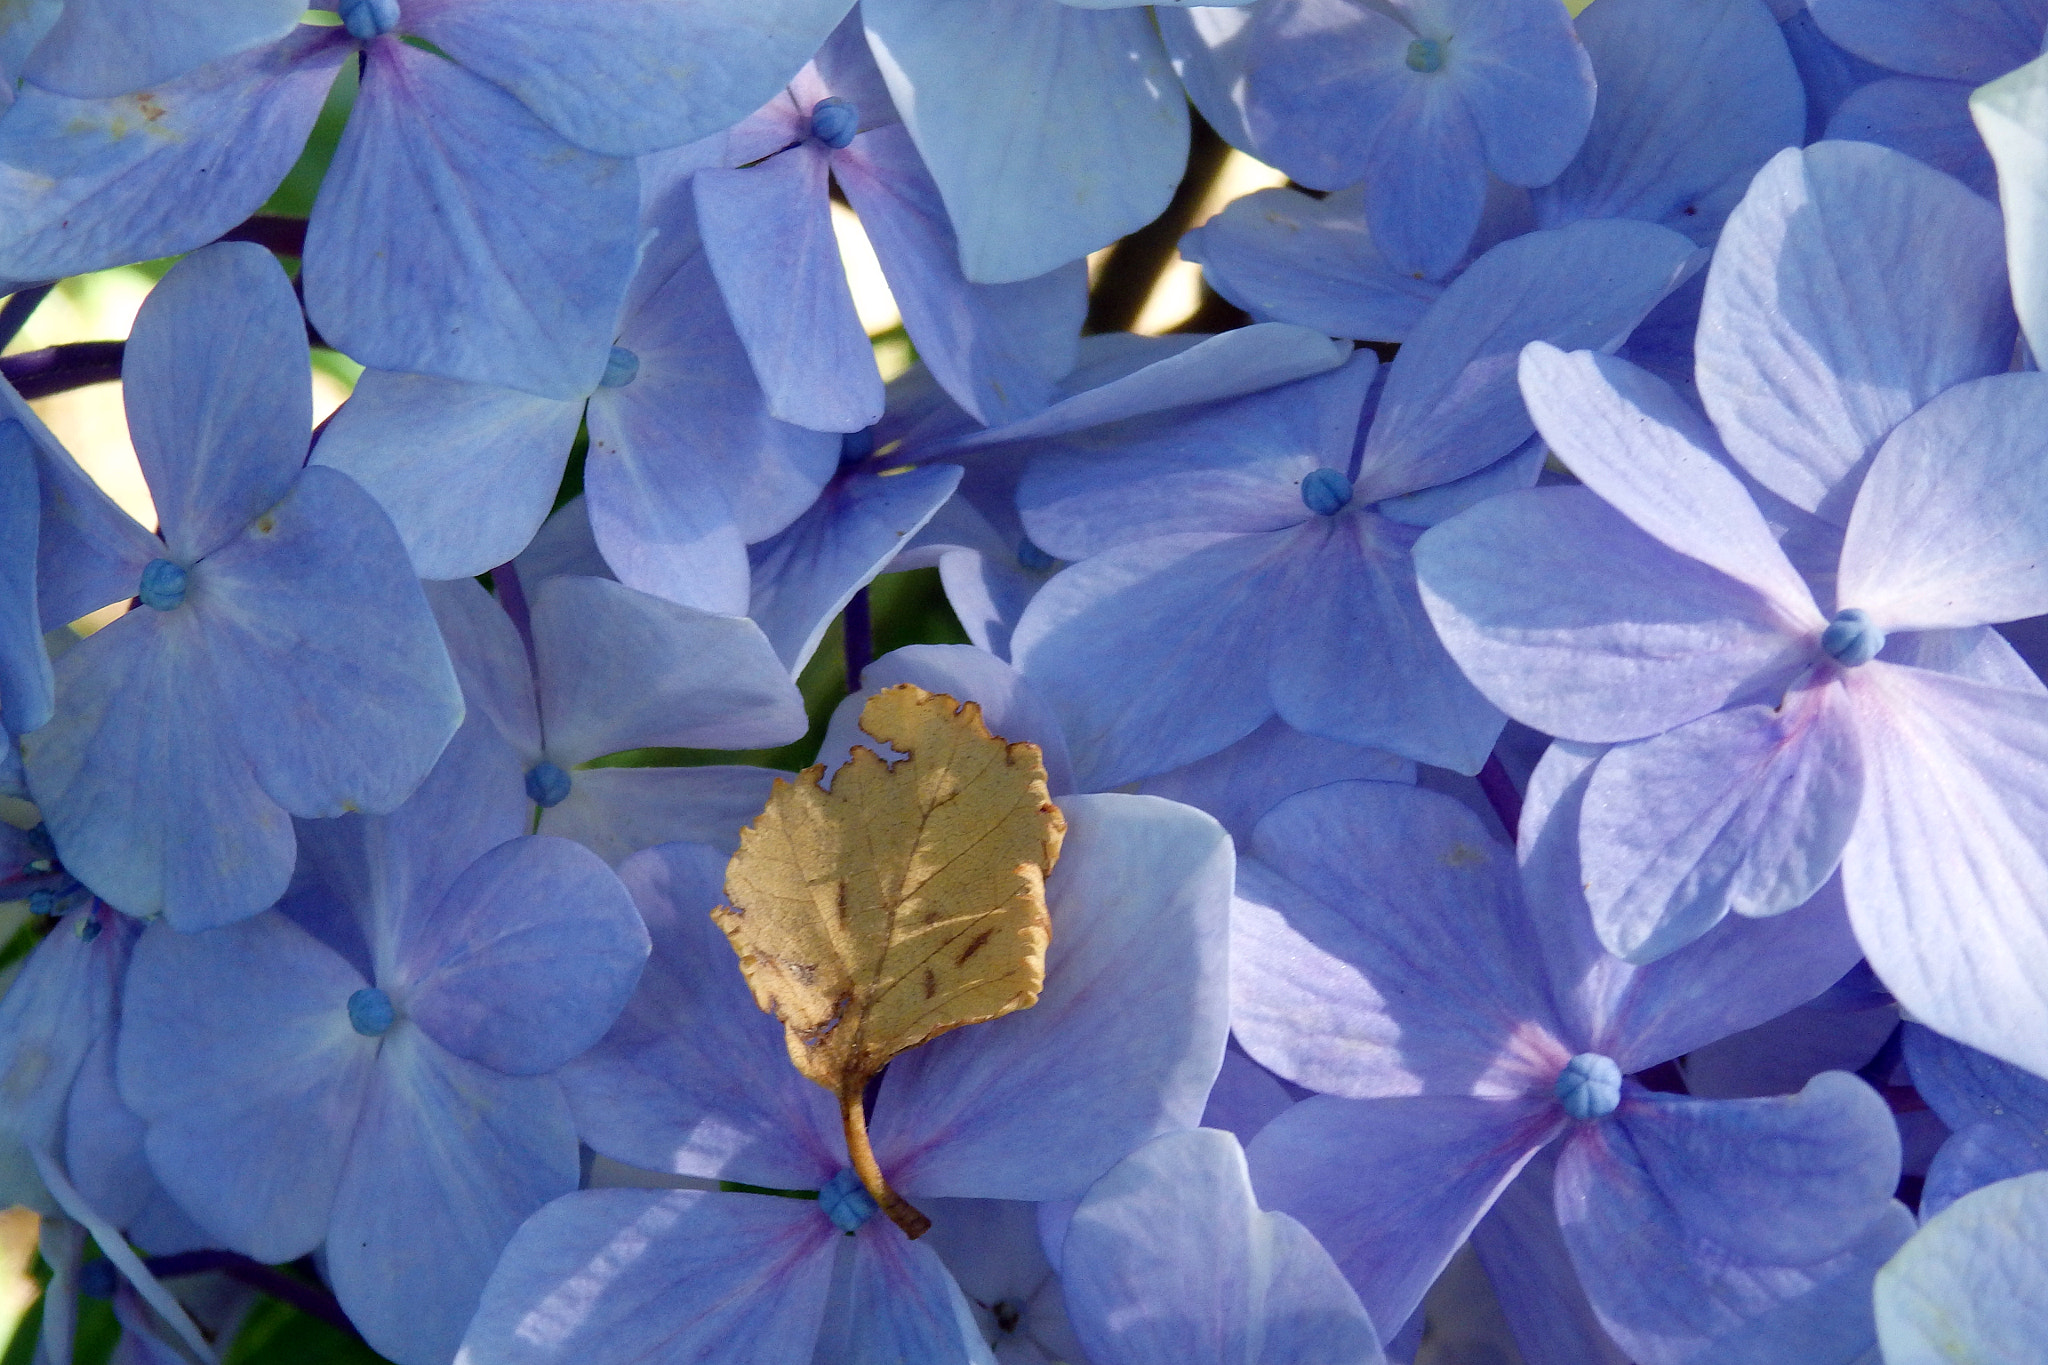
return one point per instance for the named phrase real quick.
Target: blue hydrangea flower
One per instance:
(1998, 1115)
(1969, 1284)
(281, 660)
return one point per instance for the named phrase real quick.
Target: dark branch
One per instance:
(59, 369)
(20, 305)
(858, 635)
(1136, 263)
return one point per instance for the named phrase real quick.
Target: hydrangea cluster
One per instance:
(1545, 697)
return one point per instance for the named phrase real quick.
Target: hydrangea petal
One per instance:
(1927, 120)
(1239, 784)
(1823, 325)
(606, 1277)
(1039, 1103)
(901, 1304)
(1024, 205)
(239, 1054)
(26, 681)
(694, 1078)
(1251, 1287)
(772, 221)
(1969, 1286)
(2010, 114)
(1966, 1086)
(1951, 528)
(1391, 1187)
(343, 695)
(466, 472)
(1945, 871)
(631, 77)
(1979, 1155)
(105, 47)
(457, 236)
(420, 1214)
(1957, 40)
(1649, 456)
(615, 812)
(1570, 619)
(234, 127)
(526, 960)
(1533, 1278)
(1378, 944)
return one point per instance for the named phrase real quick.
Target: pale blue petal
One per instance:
(110, 47)
(967, 80)
(466, 472)
(1979, 1155)
(615, 812)
(26, 682)
(1957, 40)
(490, 661)
(234, 128)
(901, 1305)
(456, 236)
(1969, 1285)
(1927, 120)
(219, 398)
(1239, 784)
(2010, 114)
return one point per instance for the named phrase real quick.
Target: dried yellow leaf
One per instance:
(904, 902)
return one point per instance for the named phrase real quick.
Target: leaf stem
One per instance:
(853, 1115)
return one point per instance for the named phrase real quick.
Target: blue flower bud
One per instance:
(621, 367)
(1033, 558)
(546, 785)
(1589, 1087)
(847, 1202)
(163, 585)
(42, 902)
(834, 122)
(1852, 638)
(367, 19)
(856, 446)
(370, 1012)
(1426, 55)
(1325, 492)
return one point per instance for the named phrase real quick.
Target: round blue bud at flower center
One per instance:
(847, 1202)
(1325, 492)
(834, 122)
(1031, 557)
(163, 585)
(546, 784)
(367, 19)
(1589, 1087)
(621, 367)
(1852, 638)
(1426, 55)
(370, 1012)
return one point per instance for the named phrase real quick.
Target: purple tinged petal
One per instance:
(1965, 1086)
(1946, 870)
(1693, 99)
(1423, 206)
(1533, 1277)
(239, 1054)
(1451, 405)
(970, 81)
(1745, 810)
(447, 1160)
(1823, 325)
(807, 574)
(490, 661)
(1245, 1098)
(1969, 1286)
(1123, 1044)
(317, 631)
(153, 805)
(1572, 620)
(99, 48)
(1529, 81)
(1248, 1286)
(772, 222)
(1979, 1155)
(621, 669)
(607, 1277)
(219, 400)
(1652, 458)
(694, 1078)
(60, 1006)
(1693, 1221)
(997, 348)
(234, 128)
(1284, 256)
(1951, 528)
(526, 960)
(615, 812)
(901, 1305)
(427, 449)
(1782, 1054)
(1391, 1187)
(1379, 946)
(1956, 40)
(456, 236)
